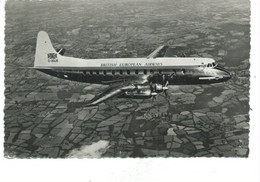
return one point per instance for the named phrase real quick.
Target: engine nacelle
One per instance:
(158, 88)
(153, 87)
(140, 93)
(144, 91)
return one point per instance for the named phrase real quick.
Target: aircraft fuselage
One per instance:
(110, 73)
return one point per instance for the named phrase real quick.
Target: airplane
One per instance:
(128, 77)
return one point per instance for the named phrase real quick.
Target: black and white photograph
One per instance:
(123, 79)
(127, 79)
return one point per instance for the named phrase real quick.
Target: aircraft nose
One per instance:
(226, 75)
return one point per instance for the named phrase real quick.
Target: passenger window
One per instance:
(121, 72)
(136, 72)
(151, 71)
(160, 71)
(91, 72)
(113, 72)
(145, 72)
(105, 72)
(97, 72)
(128, 72)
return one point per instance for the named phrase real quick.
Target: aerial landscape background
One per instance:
(45, 116)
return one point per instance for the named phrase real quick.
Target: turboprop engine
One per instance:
(144, 91)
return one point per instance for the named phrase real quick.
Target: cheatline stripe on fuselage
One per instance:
(120, 68)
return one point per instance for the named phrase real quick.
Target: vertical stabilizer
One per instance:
(45, 52)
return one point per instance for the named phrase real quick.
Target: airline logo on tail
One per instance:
(52, 57)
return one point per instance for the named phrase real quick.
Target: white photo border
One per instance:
(153, 169)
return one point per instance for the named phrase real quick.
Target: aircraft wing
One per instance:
(109, 93)
(117, 89)
(159, 52)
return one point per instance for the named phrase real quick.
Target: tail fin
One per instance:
(45, 52)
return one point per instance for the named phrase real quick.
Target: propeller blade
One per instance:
(165, 93)
(163, 77)
(153, 98)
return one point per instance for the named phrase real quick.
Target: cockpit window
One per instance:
(210, 65)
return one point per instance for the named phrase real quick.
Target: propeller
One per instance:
(154, 94)
(155, 88)
(153, 91)
(165, 86)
